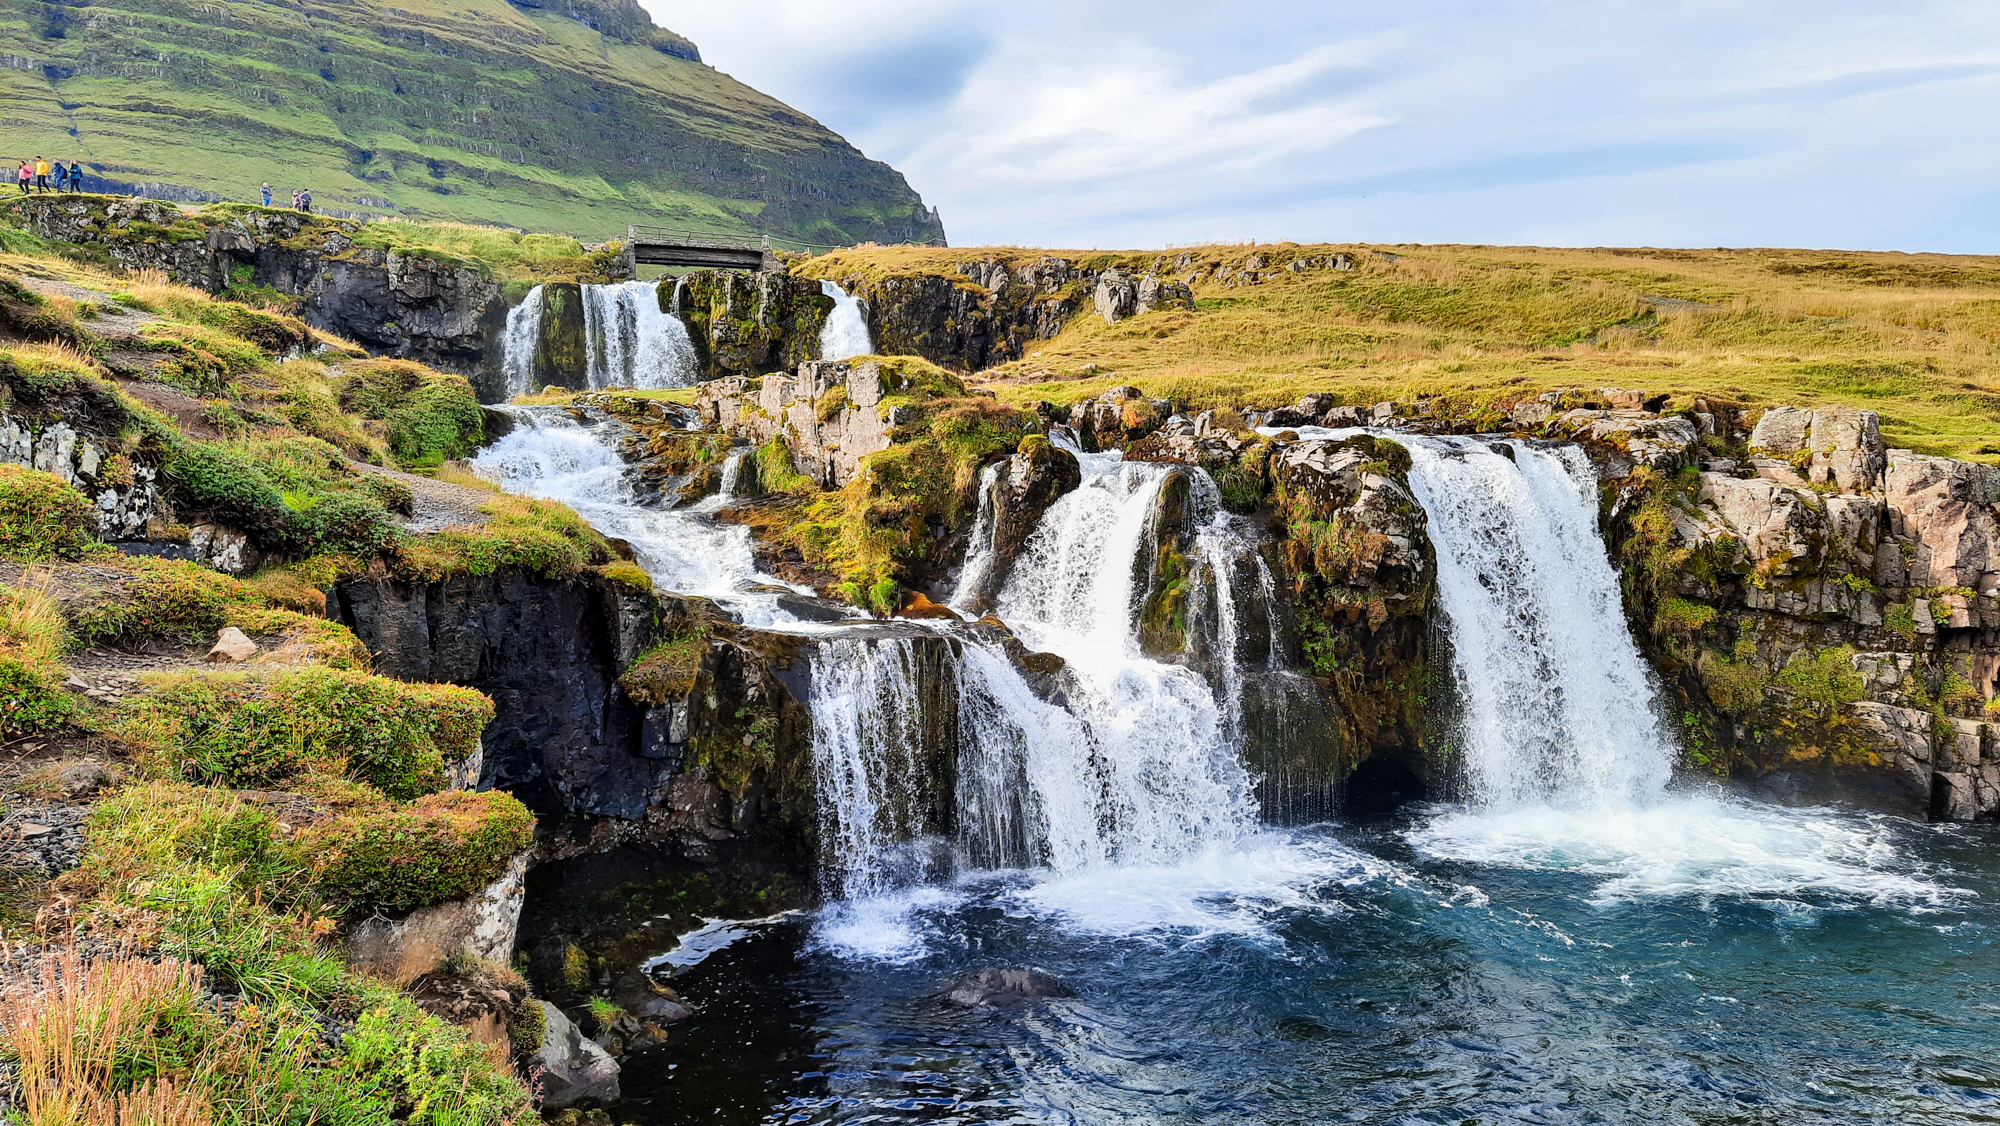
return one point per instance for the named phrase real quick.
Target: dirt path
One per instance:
(439, 504)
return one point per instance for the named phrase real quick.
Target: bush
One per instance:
(432, 417)
(169, 599)
(212, 478)
(42, 518)
(233, 729)
(440, 847)
(32, 699)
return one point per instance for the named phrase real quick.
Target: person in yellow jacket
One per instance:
(41, 174)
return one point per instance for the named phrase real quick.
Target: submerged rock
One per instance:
(993, 987)
(574, 1069)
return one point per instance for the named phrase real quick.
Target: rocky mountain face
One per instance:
(580, 117)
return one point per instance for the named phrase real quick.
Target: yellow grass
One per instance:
(1913, 336)
(32, 627)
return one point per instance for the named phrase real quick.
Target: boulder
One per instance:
(574, 1070)
(995, 987)
(401, 949)
(1116, 297)
(232, 646)
(81, 779)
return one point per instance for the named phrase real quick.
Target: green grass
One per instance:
(1913, 336)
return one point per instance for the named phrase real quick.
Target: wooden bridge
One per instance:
(669, 246)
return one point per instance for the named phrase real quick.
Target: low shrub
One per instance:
(32, 699)
(168, 599)
(201, 361)
(239, 730)
(431, 417)
(322, 641)
(440, 847)
(42, 518)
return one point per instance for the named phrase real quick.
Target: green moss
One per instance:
(540, 537)
(239, 730)
(44, 519)
(668, 668)
(527, 1026)
(440, 847)
(775, 472)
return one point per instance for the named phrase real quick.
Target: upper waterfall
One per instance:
(845, 334)
(632, 342)
(1554, 701)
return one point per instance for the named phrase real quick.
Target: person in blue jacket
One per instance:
(267, 193)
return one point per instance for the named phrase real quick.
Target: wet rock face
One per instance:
(1029, 482)
(564, 738)
(749, 324)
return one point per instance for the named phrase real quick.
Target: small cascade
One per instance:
(631, 342)
(982, 547)
(868, 764)
(519, 341)
(732, 472)
(550, 454)
(1554, 700)
(845, 334)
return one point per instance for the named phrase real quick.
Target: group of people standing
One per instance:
(38, 173)
(302, 198)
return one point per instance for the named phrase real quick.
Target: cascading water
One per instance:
(1231, 974)
(518, 342)
(845, 334)
(631, 342)
(1555, 702)
(1171, 781)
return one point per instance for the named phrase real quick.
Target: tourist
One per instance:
(26, 175)
(306, 200)
(75, 174)
(41, 174)
(295, 199)
(267, 193)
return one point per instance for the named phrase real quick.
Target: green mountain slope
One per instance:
(581, 117)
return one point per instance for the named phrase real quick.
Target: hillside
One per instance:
(580, 118)
(1915, 337)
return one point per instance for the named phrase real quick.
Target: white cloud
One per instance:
(1672, 122)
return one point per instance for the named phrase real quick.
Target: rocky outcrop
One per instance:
(443, 314)
(1117, 418)
(830, 416)
(993, 310)
(123, 492)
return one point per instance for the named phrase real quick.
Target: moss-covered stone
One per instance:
(42, 518)
(439, 847)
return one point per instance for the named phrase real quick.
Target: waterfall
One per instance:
(981, 547)
(519, 341)
(1554, 700)
(845, 334)
(1171, 783)
(631, 342)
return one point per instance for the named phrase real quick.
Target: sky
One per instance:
(1102, 123)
